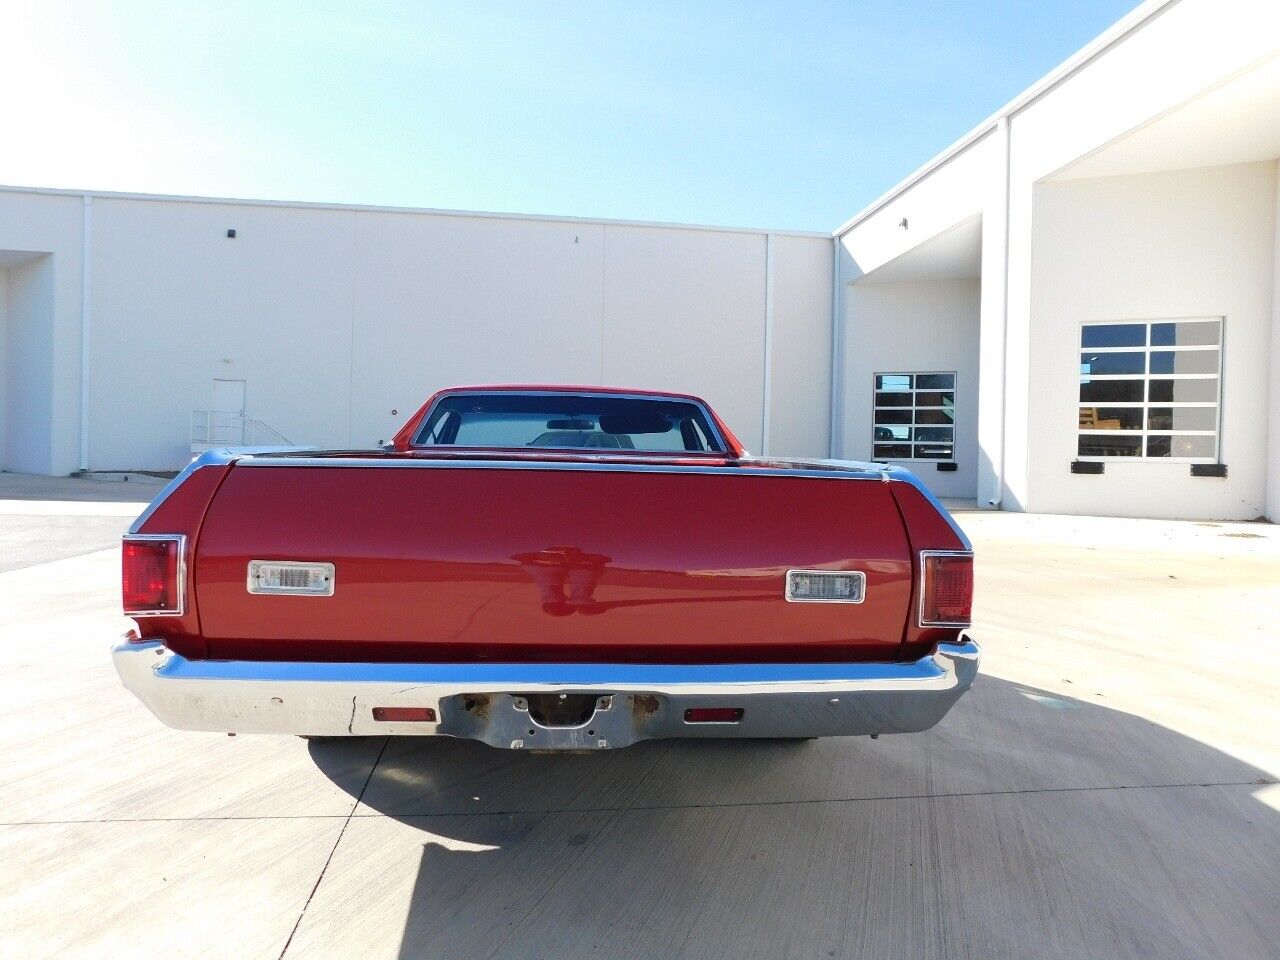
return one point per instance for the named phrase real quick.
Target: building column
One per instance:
(992, 315)
(1273, 400)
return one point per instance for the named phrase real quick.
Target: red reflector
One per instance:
(946, 597)
(405, 714)
(151, 575)
(713, 715)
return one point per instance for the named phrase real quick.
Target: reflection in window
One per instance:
(1150, 389)
(914, 416)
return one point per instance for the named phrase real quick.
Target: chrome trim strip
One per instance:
(746, 470)
(181, 540)
(920, 620)
(254, 587)
(594, 395)
(823, 574)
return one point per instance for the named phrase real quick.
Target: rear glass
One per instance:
(568, 422)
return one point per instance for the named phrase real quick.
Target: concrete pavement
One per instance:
(1107, 789)
(77, 516)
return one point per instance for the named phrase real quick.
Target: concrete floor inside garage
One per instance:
(1108, 789)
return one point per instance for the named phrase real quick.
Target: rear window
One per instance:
(568, 422)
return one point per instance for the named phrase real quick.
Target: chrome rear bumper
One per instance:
(487, 701)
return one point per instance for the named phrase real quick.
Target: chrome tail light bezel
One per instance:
(925, 555)
(180, 574)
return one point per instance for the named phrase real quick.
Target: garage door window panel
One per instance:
(1150, 390)
(914, 416)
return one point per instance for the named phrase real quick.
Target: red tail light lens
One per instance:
(946, 590)
(713, 715)
(405, 714)
(151, 575)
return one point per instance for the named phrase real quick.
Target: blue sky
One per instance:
(784, 115)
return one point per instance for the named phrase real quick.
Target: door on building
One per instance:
(226, 414)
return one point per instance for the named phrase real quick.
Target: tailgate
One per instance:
(460, 563)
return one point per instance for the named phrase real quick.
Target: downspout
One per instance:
(1272, 490)
(86, 318)
(768, 345)
(1004, 133)
(835, 440)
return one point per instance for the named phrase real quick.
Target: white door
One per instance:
(225, 423)
(228, 396)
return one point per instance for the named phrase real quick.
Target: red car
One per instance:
(547, 567)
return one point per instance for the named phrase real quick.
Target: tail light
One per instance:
(946, 588)
(152, 575)
(713, 715)
(405, 714)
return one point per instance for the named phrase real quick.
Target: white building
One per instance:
(330, 325)
(1074, 309)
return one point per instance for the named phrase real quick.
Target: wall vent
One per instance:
(1087, 466)
(1208, 469)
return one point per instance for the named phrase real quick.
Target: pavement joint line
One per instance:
(933, 850)
(329, 859)
(515, 927)
(643, 809)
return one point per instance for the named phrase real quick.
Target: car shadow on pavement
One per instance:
(1026, 824)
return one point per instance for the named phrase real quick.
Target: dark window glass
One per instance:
(1113, 335)
(1194, 334)
(935, 399)
(1110, 418)
(893, 381)
(1111, 391)
(892, 451)
(1184, 361)
(1109, 445)
(892, 434)
(893, 399)
(935, 381)
(1184, 391)
(934, 451)
(936, 415)
(1095, 364)
(1180, 446)
(1182, 418)
(933, 433)
(894, 416)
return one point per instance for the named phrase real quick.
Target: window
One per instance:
(915, 416)
(568, 421)
(1150, 389)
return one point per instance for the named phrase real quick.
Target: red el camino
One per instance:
(547, 567)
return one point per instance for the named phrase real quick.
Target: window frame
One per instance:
(1147, 404)
(875, 408)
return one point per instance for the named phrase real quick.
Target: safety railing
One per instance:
(221, 428)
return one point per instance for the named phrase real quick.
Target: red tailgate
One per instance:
(450, 563)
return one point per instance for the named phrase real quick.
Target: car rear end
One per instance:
(556, 600)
